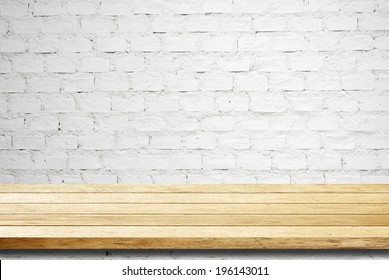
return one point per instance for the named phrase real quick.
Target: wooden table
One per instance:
(194, 216)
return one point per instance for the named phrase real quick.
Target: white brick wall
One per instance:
(198, 91)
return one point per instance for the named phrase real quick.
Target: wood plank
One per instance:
(205, 188)
(193, 198)
(195, 231)
(195, 243)
(193, 220)
(232, 209)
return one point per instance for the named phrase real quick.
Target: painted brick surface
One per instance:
(199, 91)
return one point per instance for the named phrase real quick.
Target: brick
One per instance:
(324, 161)
(338, 142)
(290, 43)
(324, 122)
(306, 104)
(130, 64)
(112, 123)
(11, 124)
(236, 103)
(26, 26)
(96, 142)
(323, 41)
(311, 62)
(100, 179)
(374, 142)
(304, 24)
(94, 65)
(218, 124)
(47, 8)
(24, 104)
(13, 9)
(374, 23)
(162, 63)
(360, 162)
(33, 179)
(250, 82)
(217, 6)
(165, 142)
(235, 143)
(215, 162)
(220, 44)
(97, 25)
(128, 104)
(146, 44)
(78, 82)
(216, 81)
(11, 83)
(286, 82)
(44, 123)
(111, 45)
(341, 62)
(94, 104)
(381, 42)
(110, 8)
(322, 81)
(43, 84)
(356, 42)
(5, 142)
(12, 45)
(78, 45)
(341, 23)
(269, 24)
(252, 124)
(323, 5)
(200, 142)
(374, 104)
(58, 104)
(123, 141)
(164, 24)
(341, 104)
(303, 141)
(15, 160)
(28, 142)
(287, 6)
(84, 162)
(358, 81)
(357, 6)
(289, 161)
(288, 123)
(170, 178)
(254, 43)
(267, 104)
(61, 65)
(162, 103)
(234, 65)
(147, 81)
(373, 62)
(28, 65)
(234, 24)
(249, 6)
(81, 7)
(197, 102)
(271, 63)
(60, 25)
(134, 24)
(181, 82)
(198, 64)
(382, 5)
(65, 142)
(189, 161)
(4, 27)
(76, 123)
(179, 44)
(3, 106)
(274, 142)
(149, 123)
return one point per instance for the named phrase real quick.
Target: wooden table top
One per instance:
(194, 216)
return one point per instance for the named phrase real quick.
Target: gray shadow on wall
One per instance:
(194, 254)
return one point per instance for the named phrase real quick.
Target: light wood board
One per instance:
(194, 216)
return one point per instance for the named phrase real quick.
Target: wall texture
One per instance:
(194, 91)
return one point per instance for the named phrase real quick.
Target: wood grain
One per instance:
(194, 216)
